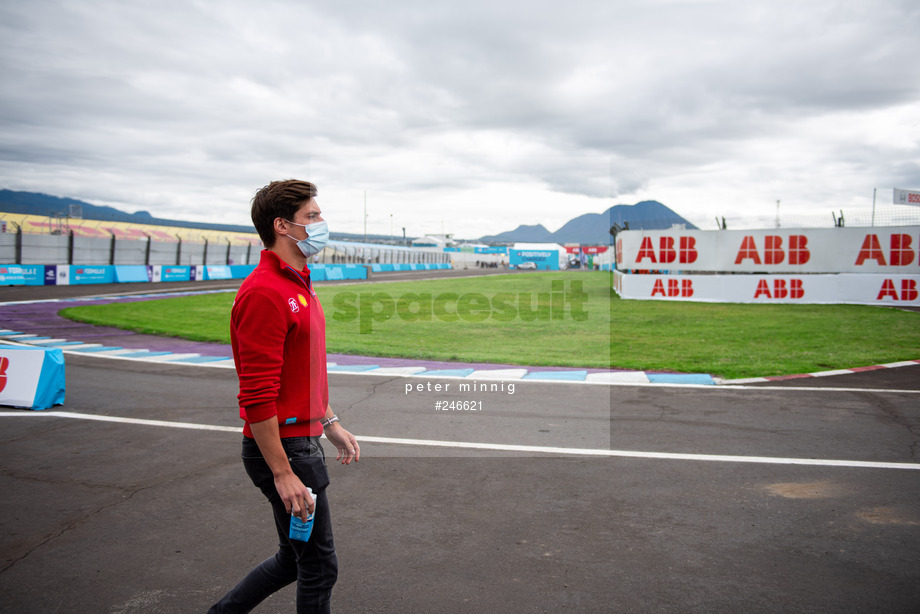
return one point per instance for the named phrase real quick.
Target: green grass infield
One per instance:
(559, 319)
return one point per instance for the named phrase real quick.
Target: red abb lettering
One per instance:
(901, 252)
(666, 251)
(908, 290)
(888, 291)
(870, 250)
(748, 250)
(619, 252)
(779, 288)
(798, 249)
(675, 287)
(794, 289)
(685, 254)
(773, 250)
(688, 251)
(646, 251)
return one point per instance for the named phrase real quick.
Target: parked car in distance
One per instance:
(527, 265)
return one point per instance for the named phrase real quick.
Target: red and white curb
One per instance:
(777, 378)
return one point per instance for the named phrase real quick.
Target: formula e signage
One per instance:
(894, 250)
(22, 275)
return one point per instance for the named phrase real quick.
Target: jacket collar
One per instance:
(277, 264)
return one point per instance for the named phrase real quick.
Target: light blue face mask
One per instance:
(317, 237)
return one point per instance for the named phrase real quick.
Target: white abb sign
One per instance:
(895, 290)
(890, 250)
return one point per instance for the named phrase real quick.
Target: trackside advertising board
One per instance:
(22, 275)
(885, 251)
(893, 290)
(545, 259)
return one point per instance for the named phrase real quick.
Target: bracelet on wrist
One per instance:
(327, 422)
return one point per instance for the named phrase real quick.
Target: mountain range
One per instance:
(587, 229)
(594, 228)
(35, 203)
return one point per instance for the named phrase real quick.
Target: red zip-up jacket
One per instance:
(278, 334)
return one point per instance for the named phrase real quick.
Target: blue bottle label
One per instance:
(301, 530)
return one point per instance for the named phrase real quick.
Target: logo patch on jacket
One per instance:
(294, 306)
(302, 299)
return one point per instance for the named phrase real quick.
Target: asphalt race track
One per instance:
(793, 496)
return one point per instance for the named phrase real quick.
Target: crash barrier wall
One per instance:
(26, 249)
(867, 266)
(23, 248)
(395, 267)
(47, 275)
(795, 251)
(32, 378)
(31, 239)
(850, 288)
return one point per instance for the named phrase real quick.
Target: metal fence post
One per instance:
(18, 244)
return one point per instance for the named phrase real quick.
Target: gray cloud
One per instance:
(181, 107)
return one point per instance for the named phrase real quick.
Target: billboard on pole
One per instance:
(906, 197)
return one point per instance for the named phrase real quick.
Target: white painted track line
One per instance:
(814, 462)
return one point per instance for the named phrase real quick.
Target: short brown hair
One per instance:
(278, 199)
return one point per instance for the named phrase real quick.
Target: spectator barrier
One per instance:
(849, 288)
(866, 266)
(52, 274)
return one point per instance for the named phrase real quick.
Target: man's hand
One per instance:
(296, 497)
(344, 442)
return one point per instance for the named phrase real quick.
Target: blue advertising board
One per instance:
(545, 259)
(22, 274)
(175, 273)
(103, 274)
(132, 273)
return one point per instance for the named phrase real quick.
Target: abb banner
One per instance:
(890, 250)
(31, 377)
(894, 290)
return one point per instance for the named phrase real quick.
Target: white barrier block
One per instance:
(31, 377)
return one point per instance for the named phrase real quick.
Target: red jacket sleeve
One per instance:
(258, 329)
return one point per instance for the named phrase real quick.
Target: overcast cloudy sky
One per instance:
(473, 116)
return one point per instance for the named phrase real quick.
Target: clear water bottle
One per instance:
(301, 529)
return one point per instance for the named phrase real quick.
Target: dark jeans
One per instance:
(313, 565)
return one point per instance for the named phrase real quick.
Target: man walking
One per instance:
(278, 334)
